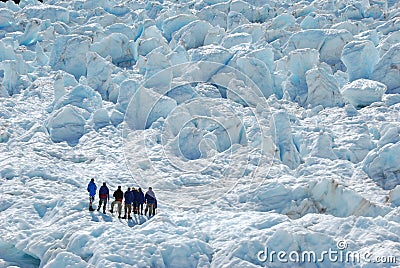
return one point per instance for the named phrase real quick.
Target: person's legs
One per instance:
(105, 206)
(136, 207)
(141, 208)
(91, 199)
(100, 202)
(151, 210)
(112, 206)
(129, 211)
(125, 210)
(149, 207)
(119, 208)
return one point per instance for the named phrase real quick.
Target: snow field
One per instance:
(260, 124)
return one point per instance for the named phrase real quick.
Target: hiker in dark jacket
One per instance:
(150, 200)
(104, 195)
(140, 201)
(92, 188)
(128, 203)
(135, 203)
(118, 195)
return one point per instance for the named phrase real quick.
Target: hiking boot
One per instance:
(104, 212)
(129, 218)
(124, 217)
(98, 209)
(91, 209)
(111, 211)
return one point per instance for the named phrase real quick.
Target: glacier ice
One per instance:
(388, 42)
(391, 25)
(389, 134)
(387, 69)
(98, 75)
(363, 92)
(322, 89)
(146, 106)
(67, 124)
(47, 12)
(231, 40)
(10, 79)
(31, 33)
(150, 39)
(69, 54)
(7, 51)
(329, 43)
(6, 18)
(126, 90)
(41, 58)
(116, 117)
(235, 19)
(101, 118)
(191, 35)
(258, 123)
(215, 17)
(211, 53)
(182, 93)
(323, 147)
(382, 165)
(282, 136)
(391, 99)
(395, 196)
(175, 23)
(80, 96)
(354, 27)
(116, 45)
(158, 75)
(298, 63)
(59, 89)
(214, 36)
(360, 58)
(255, 69)
(315, 21)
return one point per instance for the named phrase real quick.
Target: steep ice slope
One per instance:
(262, 126)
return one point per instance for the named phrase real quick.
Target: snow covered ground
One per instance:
(262, 126)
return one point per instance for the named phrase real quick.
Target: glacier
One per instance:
(262, 126)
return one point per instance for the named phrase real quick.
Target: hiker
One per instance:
(118, 195)
(128, 203)
(91, 188)
(134, 202)
(150, 200)
(104, 195)
(140, 201)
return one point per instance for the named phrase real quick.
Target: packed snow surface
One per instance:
(262, 126)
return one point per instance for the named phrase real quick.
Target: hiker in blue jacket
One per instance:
(91, 188)
(128, 203)
(150, 200)
(140, 201)
(104, 195)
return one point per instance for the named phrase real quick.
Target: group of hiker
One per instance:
(134, 200)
